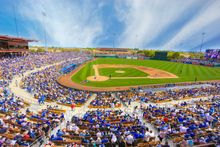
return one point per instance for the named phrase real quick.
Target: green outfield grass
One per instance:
(128, 72)
(189, 72)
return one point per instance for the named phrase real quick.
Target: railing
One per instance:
(206, 145)
(120, 100)
(40, 140)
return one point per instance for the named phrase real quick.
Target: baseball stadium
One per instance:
(109, 73)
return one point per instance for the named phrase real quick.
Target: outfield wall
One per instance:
(105, 56)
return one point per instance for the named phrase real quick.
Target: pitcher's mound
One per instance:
(97, 78)
(120, 71)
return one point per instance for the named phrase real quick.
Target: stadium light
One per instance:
(113, 42)
(203, 36)
(44, 29)
(15, 19)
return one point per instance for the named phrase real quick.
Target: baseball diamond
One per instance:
(95, 74)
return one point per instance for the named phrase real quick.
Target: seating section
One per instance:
(19, 127)
(181, 116)
(45, 88)
(171, 94)
(106, 127)
(105, 100)
(24, 129)
(195, 121)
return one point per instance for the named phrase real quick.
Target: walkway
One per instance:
(176, 87)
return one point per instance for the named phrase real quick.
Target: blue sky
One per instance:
(149, 24)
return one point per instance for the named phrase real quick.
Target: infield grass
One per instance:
(185, 72)
(127, 72)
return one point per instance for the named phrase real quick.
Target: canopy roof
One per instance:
(15, 39)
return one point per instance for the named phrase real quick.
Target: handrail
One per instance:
(36, 140)
(206, 145)
(42, 137)
(121, 100)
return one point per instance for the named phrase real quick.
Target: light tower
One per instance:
(15, 19)
(44, 29)
(113, 42)
(203, 36)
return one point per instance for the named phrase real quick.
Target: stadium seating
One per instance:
(181, 116)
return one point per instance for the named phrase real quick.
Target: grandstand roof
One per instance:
(15, 39)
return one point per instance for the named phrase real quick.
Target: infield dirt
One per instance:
(152, 72)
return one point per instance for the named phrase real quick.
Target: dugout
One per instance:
(68, 68)
(105, 56)
(217, 64)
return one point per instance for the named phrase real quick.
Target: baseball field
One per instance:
(108, 72)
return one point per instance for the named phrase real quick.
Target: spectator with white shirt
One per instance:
(129, 140)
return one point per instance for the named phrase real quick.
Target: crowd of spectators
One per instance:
(9, 103)
(204, 62)
(17, 126)
(188, 123)
(105, 100)
(180, 94)
(43, 84)
(170, 95)
(18, 65)
(106, 127)
(23, 129)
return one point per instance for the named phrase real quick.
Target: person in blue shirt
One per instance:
(62, 116)
(105, 140)
(32, 134)
(190, 142)
(180, 119)
(60, 133)
(192, 127)
(54, 138)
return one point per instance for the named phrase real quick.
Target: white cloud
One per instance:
(80, 23)
(68, 23)
(205, 22)
(148, 18)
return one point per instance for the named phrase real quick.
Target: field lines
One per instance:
(188, 74)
